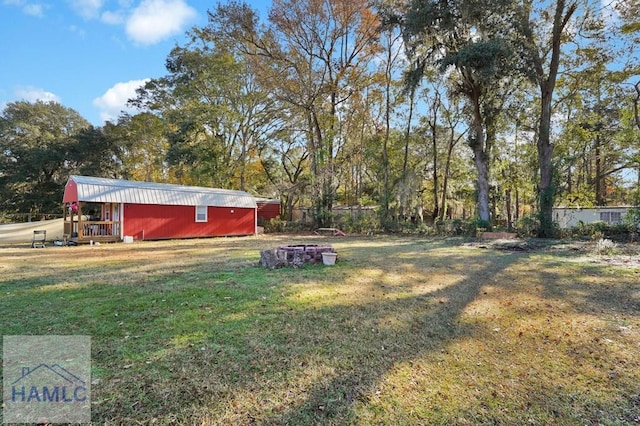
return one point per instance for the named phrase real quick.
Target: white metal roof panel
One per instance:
(102, 190)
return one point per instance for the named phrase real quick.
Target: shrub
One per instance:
(605, 246)
(275, 225)
(527, 226)
(632, 220)
(598, 230)
(360, 224)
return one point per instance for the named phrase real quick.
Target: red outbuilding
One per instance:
(267, 209)
(112, 210)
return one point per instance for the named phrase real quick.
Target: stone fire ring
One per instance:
(311, 253)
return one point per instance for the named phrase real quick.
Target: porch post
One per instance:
(80, 235)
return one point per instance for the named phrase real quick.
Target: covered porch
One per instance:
(87, 222)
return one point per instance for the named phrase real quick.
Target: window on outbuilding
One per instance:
(201, 213)
(616, 217)
(611, 217)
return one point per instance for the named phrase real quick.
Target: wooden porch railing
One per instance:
(92, 229)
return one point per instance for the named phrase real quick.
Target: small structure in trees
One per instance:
(568, 217)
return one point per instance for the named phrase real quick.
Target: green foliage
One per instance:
(632, 219)
(487, 58)
(142, 139)
(214, 114)
(278, 225)
(275, 225)
(480, 225)
(593, 230)
(420, 228)
(596, 231)
(631, 28)
(528, 226)
(40, 145)
(354, 223)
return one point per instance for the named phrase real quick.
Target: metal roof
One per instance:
(102, 190)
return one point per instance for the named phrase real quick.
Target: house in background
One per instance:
(99, 209)
(568, 217)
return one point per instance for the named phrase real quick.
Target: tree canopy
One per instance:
(367, 106)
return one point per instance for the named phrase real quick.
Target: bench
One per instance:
(334, 231)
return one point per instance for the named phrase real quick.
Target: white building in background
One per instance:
(568, 217)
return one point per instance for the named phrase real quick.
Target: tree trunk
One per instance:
(407, 132)
(636, 101)
(508, 208)
(546, 189)
(445, 181)
(482, 183)
(481, 161)
(599, 175)
(434, 146)
(385, 144)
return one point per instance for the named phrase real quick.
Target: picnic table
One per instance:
(334, 231)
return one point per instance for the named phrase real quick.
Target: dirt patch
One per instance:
(623, 256)
(528, 245)
(622, 261)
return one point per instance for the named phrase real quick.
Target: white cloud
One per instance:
(112, 18)
(155, 20)
(77, 30)
(34, 9)
(88, 9)
(114, 100)
(34, 94)
(28, 8)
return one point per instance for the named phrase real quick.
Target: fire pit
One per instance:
(295, 255)
(311, 253)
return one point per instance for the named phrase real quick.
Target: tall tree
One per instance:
(391, 59)
(543, 53)
(143, 141)
(215, 112)
(284, 160)
(36, 143)
(467, 37)
(630, 14)
(95, 153)
(313, 57)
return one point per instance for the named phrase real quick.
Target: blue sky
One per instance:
(90, 55)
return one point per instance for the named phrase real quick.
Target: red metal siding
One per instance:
(155, 222)
(70, 192)
(268, 211)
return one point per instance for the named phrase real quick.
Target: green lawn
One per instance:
(400, 331)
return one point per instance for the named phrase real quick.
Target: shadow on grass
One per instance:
(221, 341)
(432, 324)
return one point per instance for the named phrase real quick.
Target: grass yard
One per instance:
(400, 331)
